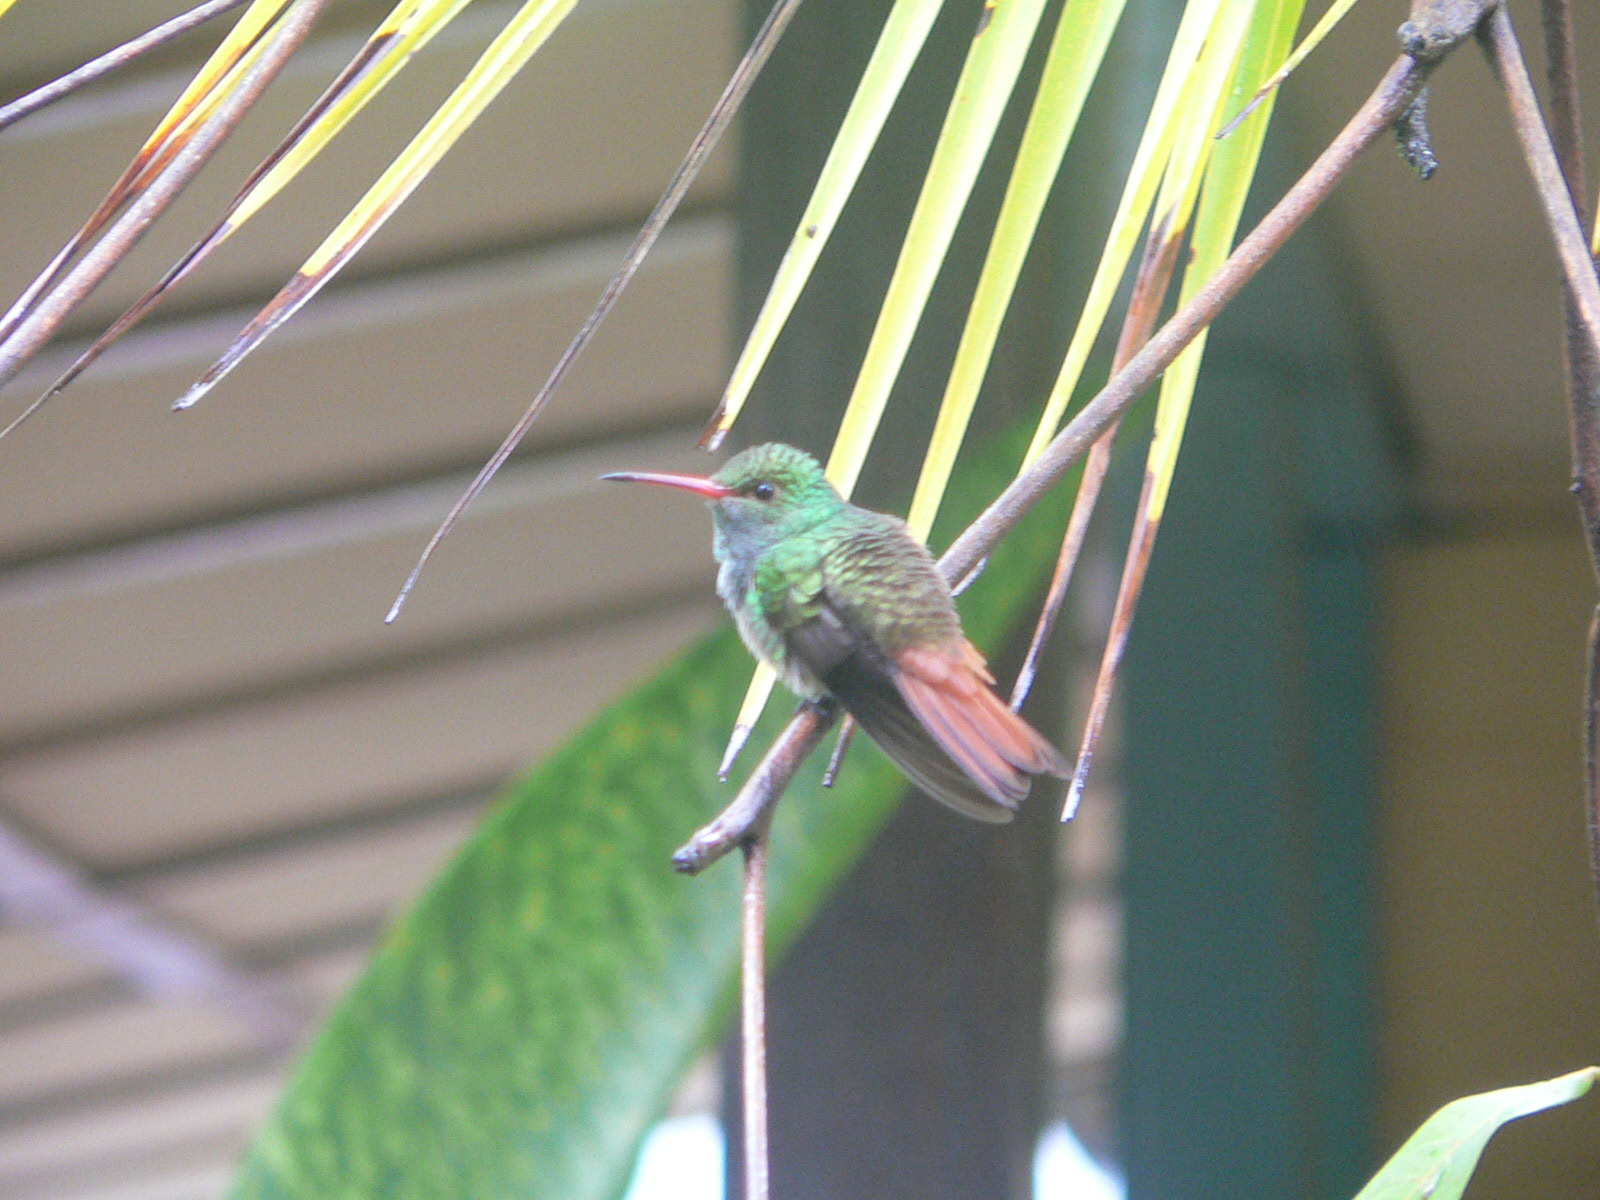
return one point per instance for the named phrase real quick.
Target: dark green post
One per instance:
(1249, 698)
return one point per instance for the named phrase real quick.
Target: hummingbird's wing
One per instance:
(951, 692)
(929, 704)
(865, 686)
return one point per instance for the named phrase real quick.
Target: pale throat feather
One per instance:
(735, 576)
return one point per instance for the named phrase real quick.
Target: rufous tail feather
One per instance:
(952, 694)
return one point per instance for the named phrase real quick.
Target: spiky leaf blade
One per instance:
(1083, 31)
(904, 32)
(510, 50)
(1138, 194)
(1247, 41)
(987, 79)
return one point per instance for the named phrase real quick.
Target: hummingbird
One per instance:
(845, 602)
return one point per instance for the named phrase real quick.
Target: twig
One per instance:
(1567, 231)
(1561, 72)
(753, 1015)
(1094, 473)
(1156, 272)
(113, 60)
(760, 792)
(1134, 570)
(1150, 285)
(357, 68)
(722, 113)
(41, 323)
(1391, 97)
(1583, 379)
(1591, 755)
(1583, 324)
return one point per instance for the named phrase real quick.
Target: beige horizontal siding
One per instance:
(585, 137)
(200, 704)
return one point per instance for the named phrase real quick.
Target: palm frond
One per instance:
(192, 132)
(1261, 39)
(1082, 33)
(1138, 194)
(1337, 12)
(407, 29)
(507, 53)
(901, 40)
(987, 79)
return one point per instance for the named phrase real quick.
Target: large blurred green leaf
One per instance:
(517, 1032)
(1438, 1159)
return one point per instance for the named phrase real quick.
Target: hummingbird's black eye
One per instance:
(763, 491)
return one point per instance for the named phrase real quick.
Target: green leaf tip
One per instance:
(1437, 1161)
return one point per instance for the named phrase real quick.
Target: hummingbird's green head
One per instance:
(760, 497)
(772, 492)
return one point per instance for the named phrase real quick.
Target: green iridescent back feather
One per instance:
(787, 555)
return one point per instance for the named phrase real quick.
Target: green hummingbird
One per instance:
(843, 601)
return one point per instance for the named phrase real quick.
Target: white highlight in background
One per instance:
(1064, 1170)
(682, 1159)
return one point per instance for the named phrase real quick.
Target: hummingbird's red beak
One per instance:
(698, 484)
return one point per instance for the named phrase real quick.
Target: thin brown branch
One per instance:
(1393, 94)
(1162, 262)
(114, 60)
(1572, 249)
(1133, 573)
(44, 319)
(152, 158)
(361, 64)
(753, 805)
(1566, 118)
(1583, 377)
(1591, 743)
(1150, 284)
(753, 1017)
(1582, 363)
(1582, 287)
(1089, 485)
(705, 141)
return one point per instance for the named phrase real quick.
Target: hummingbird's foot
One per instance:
(825, 706)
